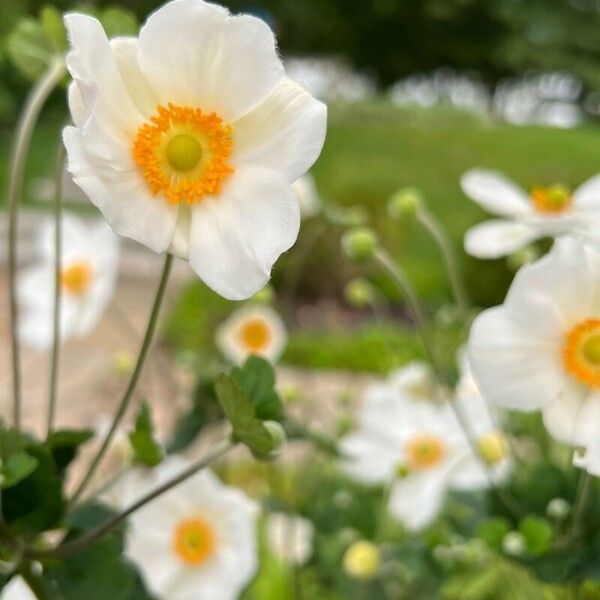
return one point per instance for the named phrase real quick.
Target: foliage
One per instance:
(145, 447)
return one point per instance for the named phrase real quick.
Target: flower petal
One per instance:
(236, 238)
(587, 438)
(285, 133)
(562, 416)
(587, 196)
(497, 238)
(124, 200)
(495, 193)
(195, 54)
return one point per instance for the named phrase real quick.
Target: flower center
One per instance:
(424, 452)
(581, 352)
(194, 541)
(184, 153)
(493, 447)
(76, 278)
(255, 335)
(551, 200)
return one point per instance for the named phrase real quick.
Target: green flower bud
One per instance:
(277, 433)
(362, 560)
(359, 293)
(558, 508)
(404, 203)
(265, 296)
(359, 244)
(514, 543)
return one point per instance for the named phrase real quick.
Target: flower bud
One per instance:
(493, 447)
(514, 543)
(277, 433)
(362, 560)
(123, 362)
(359, 244)
(404, 203)
(264, 296)
(558, 508)
(359, 293)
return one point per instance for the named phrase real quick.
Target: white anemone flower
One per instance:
(17, 589)
(290, 537)
(90, 261)
(540, 350)
(197, 541)
(189, 137)
(308, 196)
(254, 329)
(527, 216)
(416, 446)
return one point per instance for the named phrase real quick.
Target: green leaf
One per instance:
(537, 533)
(30, 49)
(257, 378)
(64, 445)
(492, 531)
(119, 21)
(52, 23)
(16, 468)
(241, 412)
(145, 447)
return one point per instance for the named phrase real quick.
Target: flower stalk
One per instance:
(25, 128)
(135, 376)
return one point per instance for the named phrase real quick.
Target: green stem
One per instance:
(25, 127)
(135, 376)
(581, 501)
(414, 306)
(58, 206)
(437, 232)
(75, 546)
(34, 581)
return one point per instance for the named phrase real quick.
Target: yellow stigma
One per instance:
(581, 352)
(76, 278)
(184, 153)
(424, 452)
(255, 335)
(493, 447)
(551, 200)
(193, 541)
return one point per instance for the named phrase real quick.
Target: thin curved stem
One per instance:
(581, 501)
(437, 232)
(414, 306)
(135, 376)
(58, 207)
(25, 127)
(74, 546)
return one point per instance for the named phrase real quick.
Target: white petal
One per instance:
(587, 196)
(417, 499)
(587, 438)
(495, 193)
(16, 589)
(498, 238)
(236, 237)
(195, 54)
(124, 200)
(370, 457)
(285, 133)
(78, 111)
(513, 367)
(562, 416)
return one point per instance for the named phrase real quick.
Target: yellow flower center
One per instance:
(255, 335)
(551, 200)
(76, 278)
(184, 153)
(493, 447)
(581, 352)
(194, 541)
(424, 452)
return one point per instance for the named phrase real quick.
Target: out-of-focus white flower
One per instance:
(308, 196)
(189, 137)
(414, 444)
(525, 217)
(197, 541)
(540, 350)
(90, 260)
(290, 537)
(252, 329)
(17, 589)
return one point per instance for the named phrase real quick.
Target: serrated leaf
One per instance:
(257, 378)
(145, 447)
(29, 48)
(240, 411)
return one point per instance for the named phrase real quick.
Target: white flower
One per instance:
(197, 541)
(540, 350)
(290, 537)
(308, 196)
(526, 217)
(417, 446)
(189, 137)
(90, 260)
(253, 329)
(17, 589)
